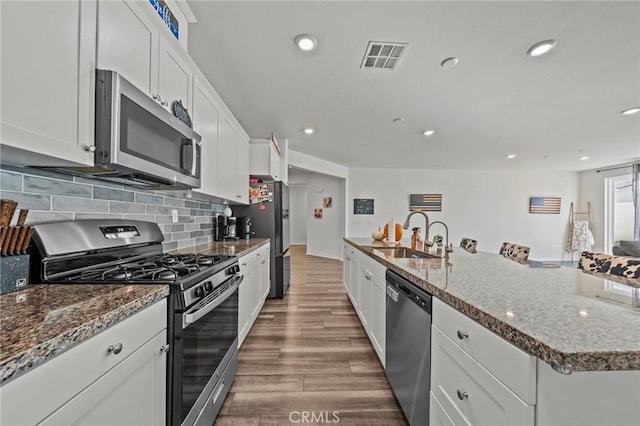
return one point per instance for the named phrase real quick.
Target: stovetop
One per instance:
(161, 268)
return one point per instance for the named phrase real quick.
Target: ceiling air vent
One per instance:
(383, 55)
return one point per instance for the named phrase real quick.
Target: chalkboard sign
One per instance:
(363, 206)
(181, 112)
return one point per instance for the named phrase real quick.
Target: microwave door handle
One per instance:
(194, 153)
(190, 318)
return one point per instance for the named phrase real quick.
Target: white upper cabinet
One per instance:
(227, 159)
(175, 76)
(48, 78)
(132, 44)
(264, 160)
(128, 43)
(242, 183)
(205, 115)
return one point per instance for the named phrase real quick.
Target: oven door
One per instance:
(209, 340)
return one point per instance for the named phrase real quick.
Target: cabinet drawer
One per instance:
(437, 415)
(468, 393)
(512, 366)
(60, 379)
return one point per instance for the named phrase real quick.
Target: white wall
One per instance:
(298, 213)
(490, 207)
(592, 189)
(324, 236)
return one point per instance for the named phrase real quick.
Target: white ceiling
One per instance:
(496, 101)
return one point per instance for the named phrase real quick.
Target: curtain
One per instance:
(635, 187)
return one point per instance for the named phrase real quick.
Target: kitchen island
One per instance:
(563, 346)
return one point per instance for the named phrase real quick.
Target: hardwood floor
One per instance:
(309, 353)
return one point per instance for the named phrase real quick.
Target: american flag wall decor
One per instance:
(425, 202)
(545, 205)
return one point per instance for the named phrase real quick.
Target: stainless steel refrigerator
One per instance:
(270, 219)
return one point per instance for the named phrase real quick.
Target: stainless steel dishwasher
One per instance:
(408, 346)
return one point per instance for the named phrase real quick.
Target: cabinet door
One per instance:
(205, 116)
(354, 274)
(242, 176)
(274, 164)
(244, 310)
(378, 316)
(131, 393)
(365, 299)
(128, 43)
(346, 267)
(48, 78)
(227, 159)
(175, 77)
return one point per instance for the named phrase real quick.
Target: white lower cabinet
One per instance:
(378, 316)
(255, 286)
(364, 280)
(468, 393)
(117, 377)
(587, 398)
(437, 415)
(131, 393)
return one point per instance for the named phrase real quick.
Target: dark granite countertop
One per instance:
(45, 320)
(237, 248)
(556, 314)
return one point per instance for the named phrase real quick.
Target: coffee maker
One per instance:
(225, 228)
(244, 227)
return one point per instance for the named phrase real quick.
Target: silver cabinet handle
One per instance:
(156, 97)
(462, 395)
(244, 263)
(165, 103)
(462, 334)
(263, 262)
(238, 196)
(348, 258)
(164, 348)
(115, 349)
(258, 254)
(90, 148)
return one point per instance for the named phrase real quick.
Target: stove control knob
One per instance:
(199, 292)
(208, 286)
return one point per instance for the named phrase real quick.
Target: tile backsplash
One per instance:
(53, 197)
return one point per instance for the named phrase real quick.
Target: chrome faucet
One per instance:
(426, 226)
(447, 247)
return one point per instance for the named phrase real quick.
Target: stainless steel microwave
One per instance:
(138, 142)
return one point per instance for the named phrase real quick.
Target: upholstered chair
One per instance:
(622, 266)
(515, 252)
(469, 245)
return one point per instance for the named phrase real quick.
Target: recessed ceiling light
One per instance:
(429, 132)
(511, 156)
(308, 131)
(630, 111)
(584, 157)
(547, 156)
(449, 63)
(398, 120)
(306, 42)
(541, 47)
(291, 167)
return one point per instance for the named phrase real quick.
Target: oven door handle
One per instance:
(195, 316)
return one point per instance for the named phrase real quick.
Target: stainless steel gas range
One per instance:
(203, 302)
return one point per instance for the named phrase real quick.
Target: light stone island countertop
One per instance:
(46, 320)
(556, 314)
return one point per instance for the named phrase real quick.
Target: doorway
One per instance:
(618, 211)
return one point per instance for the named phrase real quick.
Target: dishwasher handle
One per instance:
(392, 294)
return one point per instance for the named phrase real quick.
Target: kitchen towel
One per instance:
(580, 237)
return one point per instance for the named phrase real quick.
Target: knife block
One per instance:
(14, 273)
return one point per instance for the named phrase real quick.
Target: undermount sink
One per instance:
(406, 253)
